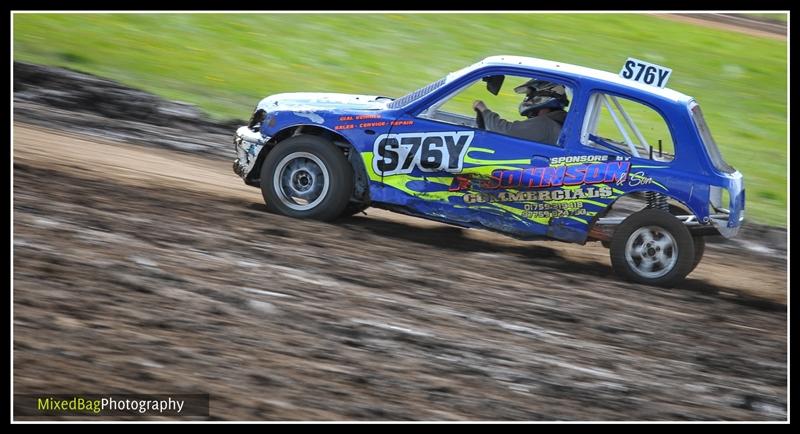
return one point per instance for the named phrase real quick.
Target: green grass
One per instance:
(225, 63)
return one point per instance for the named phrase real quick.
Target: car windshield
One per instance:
(419, 93)
(708, 140)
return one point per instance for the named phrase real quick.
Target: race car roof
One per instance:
(559, 67)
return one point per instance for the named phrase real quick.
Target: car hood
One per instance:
(308, 101)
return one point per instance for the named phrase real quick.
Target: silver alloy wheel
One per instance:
(651, 252)
(301, 181)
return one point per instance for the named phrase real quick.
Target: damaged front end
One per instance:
(248, 142)
(294, 109)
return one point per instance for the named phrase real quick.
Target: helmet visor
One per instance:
(539, 100)
(524, 88)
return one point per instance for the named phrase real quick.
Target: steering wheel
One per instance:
(479, 119)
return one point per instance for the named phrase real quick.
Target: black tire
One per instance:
(311, 157)
(668, 266)
(699, 249)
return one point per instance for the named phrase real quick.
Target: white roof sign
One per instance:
(645, 72)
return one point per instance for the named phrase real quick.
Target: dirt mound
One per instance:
(61, 98)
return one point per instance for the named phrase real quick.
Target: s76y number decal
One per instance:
(430, 152)
(645, 72)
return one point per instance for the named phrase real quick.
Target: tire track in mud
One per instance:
(145, 270)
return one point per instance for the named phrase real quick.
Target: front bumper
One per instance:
(248, 145)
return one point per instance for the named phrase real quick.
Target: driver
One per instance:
(543, 106)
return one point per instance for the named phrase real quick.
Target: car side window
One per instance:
(505, 103)
(457, 108)
(617, 122)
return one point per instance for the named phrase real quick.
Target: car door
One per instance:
(451, 170)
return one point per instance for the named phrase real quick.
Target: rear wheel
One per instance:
(306, 177)
(652, 247)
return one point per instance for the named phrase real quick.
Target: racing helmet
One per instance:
(541, 94)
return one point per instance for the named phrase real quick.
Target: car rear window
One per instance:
(708, 140)
(627, 125)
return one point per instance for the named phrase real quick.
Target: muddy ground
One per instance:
(139, 270)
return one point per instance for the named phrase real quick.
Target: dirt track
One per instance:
(139, 270)
(734, 22)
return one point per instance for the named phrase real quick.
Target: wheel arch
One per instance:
(669, 195)
(595, 233)
(361, 179)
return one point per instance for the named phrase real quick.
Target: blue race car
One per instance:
(628, 162)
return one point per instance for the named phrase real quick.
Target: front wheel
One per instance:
(306, 177)
(652, 247)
